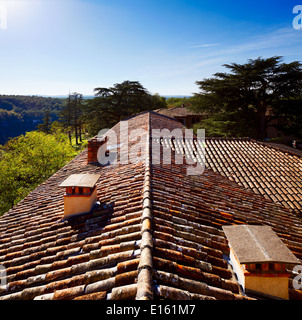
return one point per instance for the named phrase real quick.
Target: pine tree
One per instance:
(253, 89)
(71, 116)
(46, 125)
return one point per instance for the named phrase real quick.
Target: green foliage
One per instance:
(178, 102)
(27, 161)
(71, 116)
(32, 104)
(19, 114)
(227, 125)
(291, 121)
(158, 102)
(261, 85)
(45, 126)
(57, 130)
(116, 103)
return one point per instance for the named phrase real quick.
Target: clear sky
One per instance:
(53, 47)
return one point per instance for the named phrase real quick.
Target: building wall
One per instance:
(273, 286)
(76, 204)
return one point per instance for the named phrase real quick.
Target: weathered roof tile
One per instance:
(156, 231)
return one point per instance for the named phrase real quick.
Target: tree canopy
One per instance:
(20, 114)
(118, 102)
(251, 90)
(71, 116)
(46, 125)
(27, 161)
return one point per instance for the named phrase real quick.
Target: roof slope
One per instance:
(189, 212)
(272, 172)
(180, 111)
(156, 234)
(89, 256)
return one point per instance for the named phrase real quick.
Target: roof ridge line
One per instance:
(229, 138)
(268, 258)
(269, 145)
(162, 115)
(145, 266)
(261, 143)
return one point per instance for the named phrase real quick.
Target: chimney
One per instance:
(93, 147)
(81, 193)
(260, 260)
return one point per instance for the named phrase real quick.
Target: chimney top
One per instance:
(80, 180)
(258, 244)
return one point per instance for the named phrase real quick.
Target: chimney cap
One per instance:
(258, 244)
(80, 180)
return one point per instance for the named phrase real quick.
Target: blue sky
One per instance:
(53, 47)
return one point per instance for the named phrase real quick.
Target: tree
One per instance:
(116, 103)
(254, 88)
(27, 161)
(66, 117)
(46, 125)
(158, 102)
(58, 131)
(76, 101)
(71, 116)
(21, 114)
(178, 102)
(231, 124)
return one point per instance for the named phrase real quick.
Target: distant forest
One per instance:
(20, 114)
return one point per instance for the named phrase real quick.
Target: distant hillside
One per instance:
(20, 114)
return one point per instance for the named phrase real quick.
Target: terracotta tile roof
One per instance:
(192, 215)
(273, 172)
(180, 111)
(157, 233)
